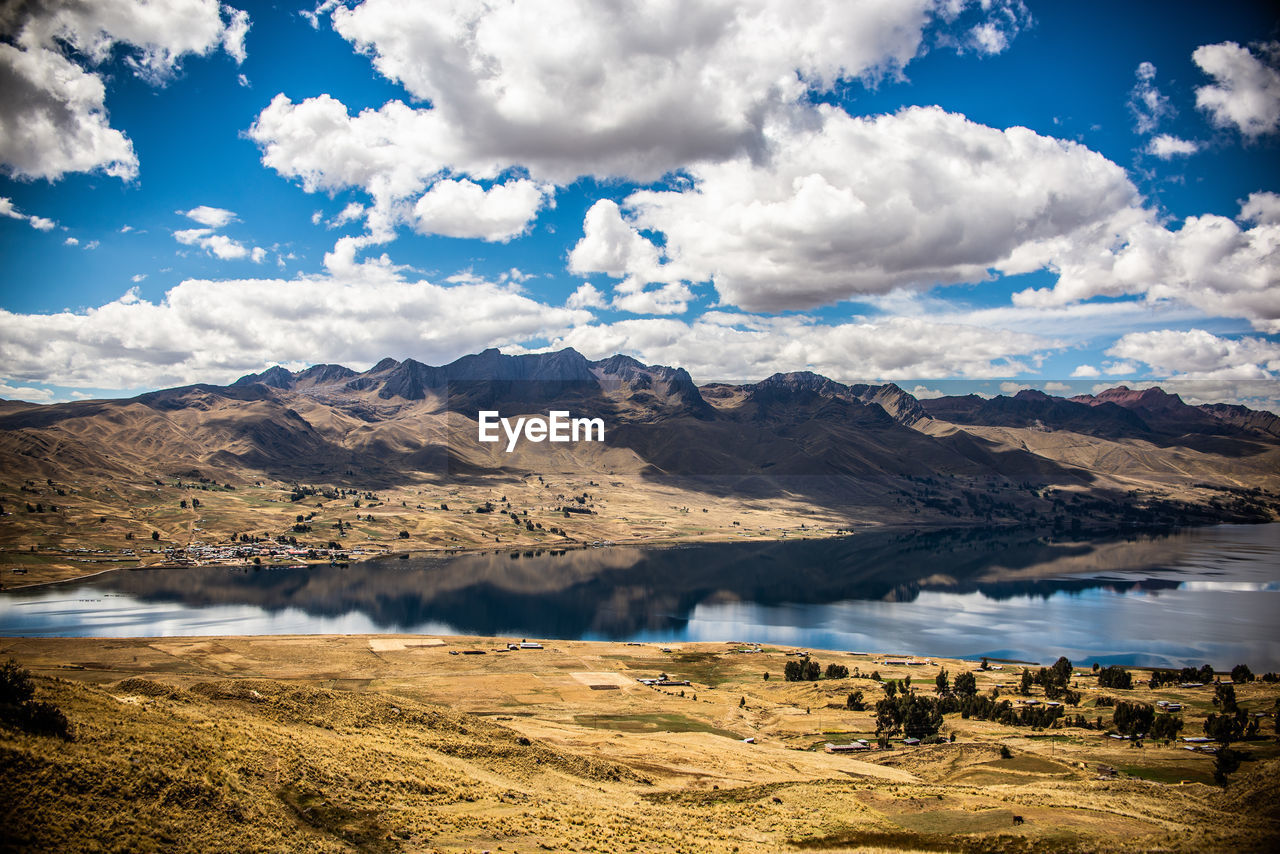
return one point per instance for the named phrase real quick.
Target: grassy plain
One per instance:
(405, 744)
(96, 523)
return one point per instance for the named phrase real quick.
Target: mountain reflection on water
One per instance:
(881, 590)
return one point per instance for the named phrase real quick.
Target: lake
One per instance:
(1207, 595)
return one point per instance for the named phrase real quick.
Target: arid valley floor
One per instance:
(408, 743)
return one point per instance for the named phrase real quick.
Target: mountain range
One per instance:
(794, 434)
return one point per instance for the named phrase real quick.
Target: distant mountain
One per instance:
(799, 434)
(1038, 411)
(1167, 413)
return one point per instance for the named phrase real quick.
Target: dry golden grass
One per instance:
(628, 509)
(357, 743)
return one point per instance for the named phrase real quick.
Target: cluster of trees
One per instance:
(805, 669)
(909, 713)
(1054, 680)
(965, 699)
(299, 492)
(1133, 719)
(984, 707)
(1160, 678)
(966, 684)
(1240, 674)
(802, 670)
(1115, 676)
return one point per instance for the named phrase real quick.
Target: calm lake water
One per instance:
(1190, 597)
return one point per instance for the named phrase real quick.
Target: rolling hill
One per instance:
(789, 446)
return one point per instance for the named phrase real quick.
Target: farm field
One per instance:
(409, 743)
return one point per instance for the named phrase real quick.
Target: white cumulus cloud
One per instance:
(210, 216)
(1261, 208)
(1197, 354)
(39, 223)
(735, 346)
(1166, 147)
(26, 393)
(1245, 94)
(586, 296)
(1210, 263)
(215, 331)
(843, 206)
(630, 89)
(553, 90)
(462, 208)
(53, 118)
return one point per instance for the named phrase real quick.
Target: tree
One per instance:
(984, 665)
(855, 703)
(1224, 696)
(1061, 670)
(1241, 673)
(941, 683)
(890, 689)
(802, 670)
(155, 535)
(1133, 718)
(1115, 676)
(404, 535)
(1166, 727)
(913, 715)
(837, 671)
(1224, 763)
(1224, 728)
(966, 685)
(1024, 686)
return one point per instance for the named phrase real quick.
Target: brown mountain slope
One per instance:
(790, 445)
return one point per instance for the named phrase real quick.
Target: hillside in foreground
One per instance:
(335, 463)
(408, 744)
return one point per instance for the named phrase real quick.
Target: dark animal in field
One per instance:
(1017, 819)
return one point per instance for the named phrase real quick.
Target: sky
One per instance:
(954, 195)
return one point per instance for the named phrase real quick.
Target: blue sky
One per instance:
(952, 195)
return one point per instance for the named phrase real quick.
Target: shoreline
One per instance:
(808, 534)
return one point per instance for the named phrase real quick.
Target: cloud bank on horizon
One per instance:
(977, 190)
